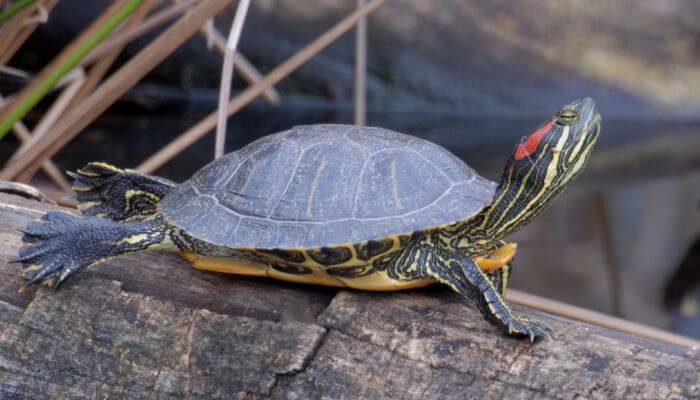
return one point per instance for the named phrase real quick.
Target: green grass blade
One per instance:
(14, 8)
(21, 109)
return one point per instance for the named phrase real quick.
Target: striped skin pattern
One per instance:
(527, 187)
(405, 214)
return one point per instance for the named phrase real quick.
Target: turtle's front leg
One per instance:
(464, 276)
(500, 278)
(62, 244)
(104, 190)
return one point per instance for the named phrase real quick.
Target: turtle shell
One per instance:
(321, 185)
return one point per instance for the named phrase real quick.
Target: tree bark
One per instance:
(148, 326)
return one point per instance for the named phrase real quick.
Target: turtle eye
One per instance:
(565, 117)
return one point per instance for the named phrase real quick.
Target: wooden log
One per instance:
(148, 326)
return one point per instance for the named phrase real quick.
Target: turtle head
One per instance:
(557, 150)
(542, 164)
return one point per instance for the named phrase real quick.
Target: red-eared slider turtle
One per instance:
(336, 205)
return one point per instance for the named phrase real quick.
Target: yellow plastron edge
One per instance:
(500, 257)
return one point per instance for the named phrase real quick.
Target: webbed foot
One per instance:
(61, 244)
(51, 255)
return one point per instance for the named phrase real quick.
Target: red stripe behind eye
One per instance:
(530, 145)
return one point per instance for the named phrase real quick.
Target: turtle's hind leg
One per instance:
(61, 244)
(104, 190)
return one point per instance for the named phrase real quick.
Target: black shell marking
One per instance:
(368, 250)
(350, 272)
(330, 255)
(292, 269)
(292, 256)
(320, 185)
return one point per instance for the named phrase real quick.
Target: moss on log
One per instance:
(149, 326)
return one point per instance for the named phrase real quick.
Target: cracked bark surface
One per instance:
(96, 341)
(149, 327)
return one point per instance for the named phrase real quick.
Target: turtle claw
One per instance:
(50, 273)
(35, 273)
(534, 330)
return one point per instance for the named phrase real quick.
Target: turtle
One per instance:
(336, 205)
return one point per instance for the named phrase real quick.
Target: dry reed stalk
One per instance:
(10, 29)
(114, 87)
(361, 69)
(592, 317)
(13, 9)
(240, 63)
(16, 72)
(23, 134)
(227, 75)
(611, 265)
(25, 32)
(67, 79)
(41, 16)
(103, 64)
(208, 123)
(53, 114)
(57, 196)
(123, 37)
